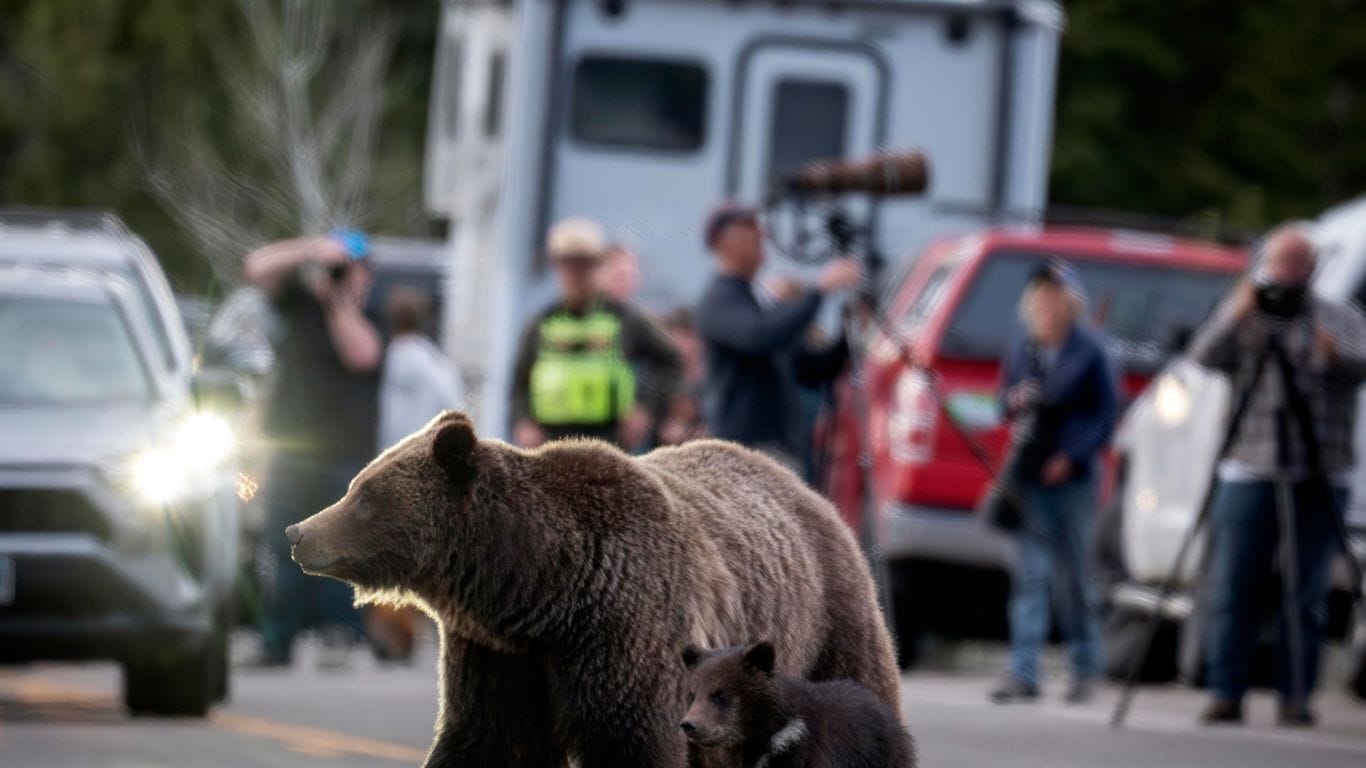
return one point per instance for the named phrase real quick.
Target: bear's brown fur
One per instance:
(566, 579)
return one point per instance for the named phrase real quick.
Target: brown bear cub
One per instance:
(741, 714)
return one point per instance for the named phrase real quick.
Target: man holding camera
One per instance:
(321, 420)
(1325, 346)
(755, 342)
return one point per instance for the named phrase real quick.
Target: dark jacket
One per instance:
(755, 357)
(318, 406)
(1078, 405)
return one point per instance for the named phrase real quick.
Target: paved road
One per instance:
(70, 717)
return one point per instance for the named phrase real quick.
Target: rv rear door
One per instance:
(800, 101)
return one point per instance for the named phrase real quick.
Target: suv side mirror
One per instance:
(218, 389)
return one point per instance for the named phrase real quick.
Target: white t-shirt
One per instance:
(417, 384)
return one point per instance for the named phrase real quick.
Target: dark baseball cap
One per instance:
(723, 216)
(1059, 273)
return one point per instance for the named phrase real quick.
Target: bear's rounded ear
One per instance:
(453, 447)
(691, 655)
(760, 656)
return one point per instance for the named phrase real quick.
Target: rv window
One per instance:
(639, 103)
(807, 122)
(493, 108)
(454, 55)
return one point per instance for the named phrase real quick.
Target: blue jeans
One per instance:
(1244, 553)
(1055, 540)
(297, 487)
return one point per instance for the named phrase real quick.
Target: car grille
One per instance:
(26, 510)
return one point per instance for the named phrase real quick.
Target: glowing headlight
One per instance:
(205, 440)
(1172, 401)
(158, 476)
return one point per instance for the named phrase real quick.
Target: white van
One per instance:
(643, 113)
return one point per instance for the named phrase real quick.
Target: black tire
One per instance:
(908, 631)
(181, 686)
(1124, 633)
(220, 651)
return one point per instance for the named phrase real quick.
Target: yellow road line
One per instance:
(316, 742)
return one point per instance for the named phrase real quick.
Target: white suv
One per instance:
(118, 517)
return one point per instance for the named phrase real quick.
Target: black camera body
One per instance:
(1283, 301)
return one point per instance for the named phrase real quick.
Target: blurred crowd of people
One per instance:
(748, 364)
(735, 367)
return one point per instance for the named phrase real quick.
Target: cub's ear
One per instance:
(760, 657)
(453, 447)
(691, 656)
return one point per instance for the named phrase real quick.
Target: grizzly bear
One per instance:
(741, 714)
(565, 579)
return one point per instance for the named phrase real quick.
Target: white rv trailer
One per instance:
(643, 113)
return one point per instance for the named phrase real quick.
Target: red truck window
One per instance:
(1145, 309)
(929, 299)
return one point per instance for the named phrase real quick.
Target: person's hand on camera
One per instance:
(783, 288)
(328, 251)
(1057, 470)
(839, 275)
(1023, 396)
(528, 434)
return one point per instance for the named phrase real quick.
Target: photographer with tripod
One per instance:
(756, 357)
(1298, 361)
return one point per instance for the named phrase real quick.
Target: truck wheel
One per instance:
(908, 629)
(182, 686)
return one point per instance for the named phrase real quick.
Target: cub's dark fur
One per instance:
(741, 714)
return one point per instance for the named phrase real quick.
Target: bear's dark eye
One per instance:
(719, 699)
(690, 697)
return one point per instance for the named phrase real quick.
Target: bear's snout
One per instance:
(688, 726)
(294, 533)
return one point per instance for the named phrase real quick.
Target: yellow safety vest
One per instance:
(580, 375)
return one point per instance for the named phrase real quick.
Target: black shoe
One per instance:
(1013, 691)
(1079, 692)
(1296, 716)
(1222, 712)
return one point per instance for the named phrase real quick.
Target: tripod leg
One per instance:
(1290, 575)
(1173, 579)
(1169, 586)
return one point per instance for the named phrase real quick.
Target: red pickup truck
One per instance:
(957, 309)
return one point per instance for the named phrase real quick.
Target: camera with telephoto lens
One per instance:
(1283, 301)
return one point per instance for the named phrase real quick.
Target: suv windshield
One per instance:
(60, 351)
(1146, 311)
